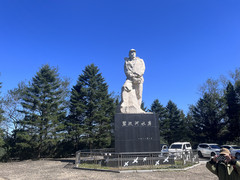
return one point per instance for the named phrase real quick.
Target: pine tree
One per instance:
(172, 121)
(186, 133)
(91, 111)
(173, 124)
(208, 119)
(157, 108)
(161, 113)
(44, 109)
(143, 107)
(233, 112)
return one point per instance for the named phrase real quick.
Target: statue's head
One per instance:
(132, 53)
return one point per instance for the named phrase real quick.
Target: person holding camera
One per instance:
(224, 166)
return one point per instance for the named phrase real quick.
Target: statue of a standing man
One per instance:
(132, 89)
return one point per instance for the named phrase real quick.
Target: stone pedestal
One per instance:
(136, 133)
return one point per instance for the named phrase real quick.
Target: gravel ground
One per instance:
(61, 169)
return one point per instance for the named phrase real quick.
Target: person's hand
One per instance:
(214, 158)
(228, 158)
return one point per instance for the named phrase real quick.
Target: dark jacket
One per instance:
(230, 171)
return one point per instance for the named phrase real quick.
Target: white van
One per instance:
(180, 147)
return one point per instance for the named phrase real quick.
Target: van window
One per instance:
(188, 145)
(176, 146)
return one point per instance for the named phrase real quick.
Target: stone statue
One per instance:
(132, 89)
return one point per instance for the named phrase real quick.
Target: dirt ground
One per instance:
(62, 169)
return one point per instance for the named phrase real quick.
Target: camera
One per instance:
(221, 158)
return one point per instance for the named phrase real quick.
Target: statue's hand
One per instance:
(137, 80)
(136, 75)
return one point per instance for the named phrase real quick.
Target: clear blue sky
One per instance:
(183, 42)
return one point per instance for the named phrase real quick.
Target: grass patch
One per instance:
(177, 165)
(93, 166)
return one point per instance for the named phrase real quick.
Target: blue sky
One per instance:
(183, 42)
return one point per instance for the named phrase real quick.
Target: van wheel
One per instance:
(200, 154)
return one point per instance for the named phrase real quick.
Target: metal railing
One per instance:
(137, 160)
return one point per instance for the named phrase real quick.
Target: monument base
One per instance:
(136, 133)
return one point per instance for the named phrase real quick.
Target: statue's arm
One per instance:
(127, 70)
(140, 68)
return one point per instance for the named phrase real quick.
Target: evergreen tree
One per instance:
(237, 89)
(208, 119)
(233, 112)
(186, 133)
(161, 113)
(44, 108)
(143, 107)
(157, 108)
(173, 125)
(190, 135)
(91, 111)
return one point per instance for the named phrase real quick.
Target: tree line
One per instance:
(45, 118)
